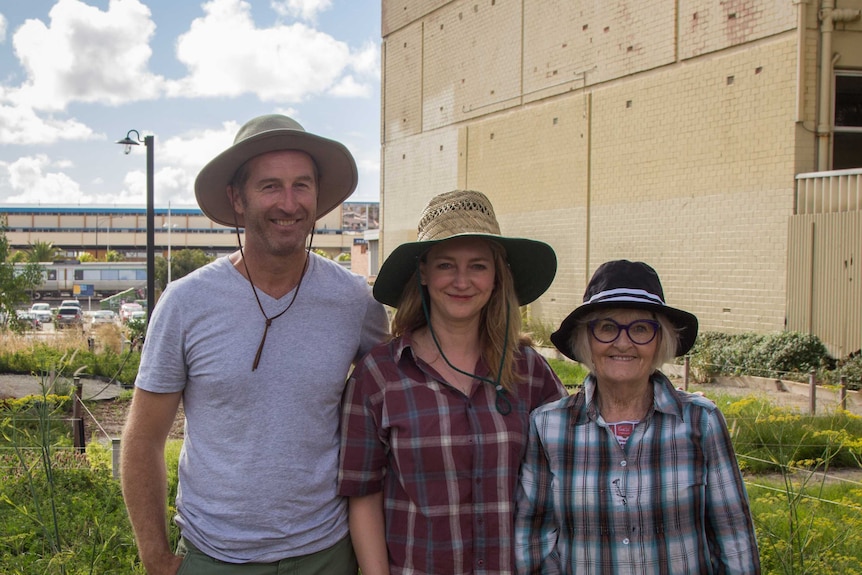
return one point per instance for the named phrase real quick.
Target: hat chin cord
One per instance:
(257, 298)
(501, 402)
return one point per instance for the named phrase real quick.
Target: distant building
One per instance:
(96, 229)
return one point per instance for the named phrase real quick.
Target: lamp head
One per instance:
(128, 142)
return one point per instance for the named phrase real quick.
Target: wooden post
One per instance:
(685, 371)
(812, 393)
(843, 392)
(79, 438)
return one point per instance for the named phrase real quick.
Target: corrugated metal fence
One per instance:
(824, 271)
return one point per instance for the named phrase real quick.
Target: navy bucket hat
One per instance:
(629, 285)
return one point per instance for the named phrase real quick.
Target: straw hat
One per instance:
(630, 285)
(458, 214)
(337, 174)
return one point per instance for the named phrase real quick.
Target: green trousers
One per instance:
(336, 560)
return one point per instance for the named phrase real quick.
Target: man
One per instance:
(257, 345)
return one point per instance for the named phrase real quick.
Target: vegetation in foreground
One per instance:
(62, 511)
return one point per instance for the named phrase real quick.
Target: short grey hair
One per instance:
(580, 341)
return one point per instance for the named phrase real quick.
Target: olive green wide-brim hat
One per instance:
(467, 213)
(336, 169)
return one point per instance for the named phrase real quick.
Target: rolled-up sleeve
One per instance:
(362, 461)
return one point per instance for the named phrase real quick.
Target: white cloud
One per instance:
(348, 87)
(21, 125)
(304, 9)
(169, 184)
(86, 55)
(30, 182)
(100, 53)
(367, 61)
(228, 56)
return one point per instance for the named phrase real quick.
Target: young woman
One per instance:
(435, 421)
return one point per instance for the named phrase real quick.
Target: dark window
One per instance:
(847, 143)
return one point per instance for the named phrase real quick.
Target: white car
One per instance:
(127, 309)
(70, 302)
(103, 316)
(139, 315)
(43, 312)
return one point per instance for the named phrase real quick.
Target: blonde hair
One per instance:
(666, 350)
(500, 322)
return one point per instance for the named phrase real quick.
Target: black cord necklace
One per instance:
(501, 402)
(257, 298)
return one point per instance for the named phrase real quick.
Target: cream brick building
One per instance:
(665, 131)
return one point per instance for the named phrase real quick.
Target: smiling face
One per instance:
(622, 362)
(460, 275)
(278, 200)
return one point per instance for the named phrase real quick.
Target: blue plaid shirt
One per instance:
(671, 502)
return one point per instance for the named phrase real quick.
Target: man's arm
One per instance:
(144, 477)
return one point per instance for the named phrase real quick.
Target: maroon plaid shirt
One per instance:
(447, 463)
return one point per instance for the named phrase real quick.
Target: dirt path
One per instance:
(106, 405)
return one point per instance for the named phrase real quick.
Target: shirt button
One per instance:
(623, 463)
(480, 562)
(626, 541)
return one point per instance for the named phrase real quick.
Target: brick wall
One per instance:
(617, 130)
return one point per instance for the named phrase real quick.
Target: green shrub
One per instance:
(40, 358)
(850, 369)
(785, 355)
(87, 514)
(539, 331)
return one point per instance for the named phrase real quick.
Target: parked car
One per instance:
(69, 316)
(29, 319)
(103, 316)
(139, 315)
(42, 311)
(70, 302)
(126, 311)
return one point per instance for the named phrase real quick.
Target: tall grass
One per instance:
(807, 522)
(62, 512)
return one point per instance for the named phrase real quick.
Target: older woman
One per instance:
(631, 475)
(435, 422)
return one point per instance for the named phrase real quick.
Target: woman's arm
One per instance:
(731, 539)
(367, 531)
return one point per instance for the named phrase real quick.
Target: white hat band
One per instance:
(626, 295)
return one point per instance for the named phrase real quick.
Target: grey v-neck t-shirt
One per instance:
(258, 467)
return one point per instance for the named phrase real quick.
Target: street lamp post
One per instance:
(149, 142)
(169, 226)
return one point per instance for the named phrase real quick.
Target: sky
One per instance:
(77, 75)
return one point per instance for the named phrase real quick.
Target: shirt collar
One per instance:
(665, 397)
